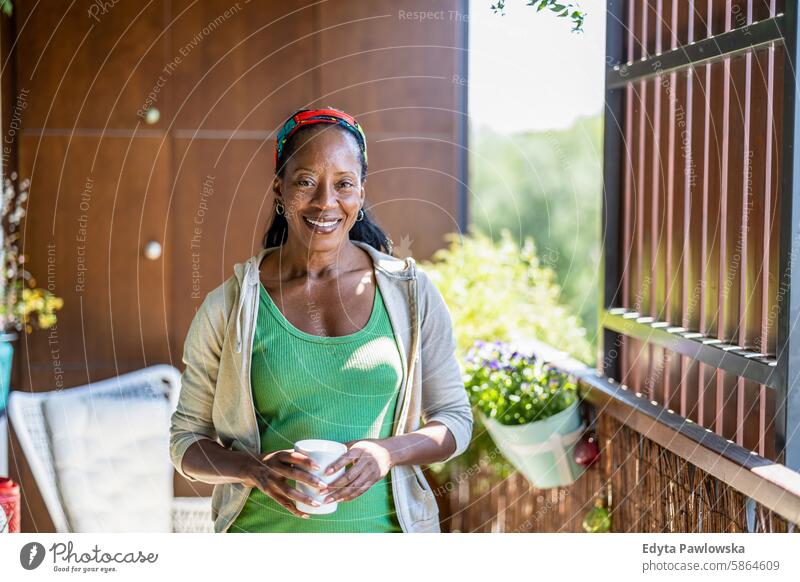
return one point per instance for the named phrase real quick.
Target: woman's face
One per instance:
(321, 184)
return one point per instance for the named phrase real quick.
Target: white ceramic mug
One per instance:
(323, 453)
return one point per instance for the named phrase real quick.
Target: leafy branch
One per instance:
(561, 9)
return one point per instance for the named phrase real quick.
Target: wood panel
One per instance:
(242, 66)
(411, 189)
(90, 64)
(403, 78)
(394, 72)
(221, 204)
(94, 203)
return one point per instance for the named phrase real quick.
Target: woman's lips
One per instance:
(317, 229)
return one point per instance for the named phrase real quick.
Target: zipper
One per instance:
(414, 341)
(251, 283)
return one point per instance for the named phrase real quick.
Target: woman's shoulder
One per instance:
(218, 303)
(432, 301)
(384, 261)
(224, 296)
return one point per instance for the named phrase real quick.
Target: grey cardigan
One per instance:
(216, 402)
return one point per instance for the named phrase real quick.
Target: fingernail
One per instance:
(305, 516)
(329, 499)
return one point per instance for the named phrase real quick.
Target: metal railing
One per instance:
(773, 485)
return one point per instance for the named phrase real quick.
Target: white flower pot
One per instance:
(542, 450)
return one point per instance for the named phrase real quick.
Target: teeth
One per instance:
(322, 224)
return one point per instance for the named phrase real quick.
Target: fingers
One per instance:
(348, 457)
(300, 476)
(298, 459)
(352, 490)
(342, 487)
(270, 485)
(276, 486)
(347, 477)
(294, 494)
(296, 466)
(278, 494)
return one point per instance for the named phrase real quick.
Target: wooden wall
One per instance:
(222, 74)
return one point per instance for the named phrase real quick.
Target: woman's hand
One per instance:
(371, 460)
(272, 472)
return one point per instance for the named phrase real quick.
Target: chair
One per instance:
(26, 411)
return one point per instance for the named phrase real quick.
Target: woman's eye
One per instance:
(304, 183)
(346, 184)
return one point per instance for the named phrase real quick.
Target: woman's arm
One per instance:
(430, 444)
(191, 421)
(210, 462)
(444, 398)
(373, 458)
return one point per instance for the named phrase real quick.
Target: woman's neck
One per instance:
(294, 261)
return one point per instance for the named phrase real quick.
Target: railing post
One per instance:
(613, 152)
(463, 122)
(787, 406)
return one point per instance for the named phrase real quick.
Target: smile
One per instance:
(322, 226)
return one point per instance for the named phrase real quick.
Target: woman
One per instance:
(322, 334)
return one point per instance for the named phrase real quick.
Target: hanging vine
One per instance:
(561, 9)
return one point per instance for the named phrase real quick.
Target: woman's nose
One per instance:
(325, 196)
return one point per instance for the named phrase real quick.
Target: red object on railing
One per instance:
(586, 451)
(9, 505)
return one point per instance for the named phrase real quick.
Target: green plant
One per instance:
(7, 7)
(561, 9)
(499, 291)
(23, 306)
(515, 388)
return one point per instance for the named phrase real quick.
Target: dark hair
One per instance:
(364, 230)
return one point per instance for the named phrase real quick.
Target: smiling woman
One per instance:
(341, 134)
(340, 332)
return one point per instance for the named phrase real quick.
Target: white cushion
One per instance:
(111, 460)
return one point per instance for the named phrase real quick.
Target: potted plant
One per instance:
(530, 410)
(23, 306)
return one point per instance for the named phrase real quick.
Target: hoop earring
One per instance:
(279, 208)
(360, 214)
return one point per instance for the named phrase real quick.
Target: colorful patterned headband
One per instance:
(311, 116)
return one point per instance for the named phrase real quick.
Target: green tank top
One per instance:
(336, 388)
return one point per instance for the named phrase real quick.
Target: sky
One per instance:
(529, 66)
